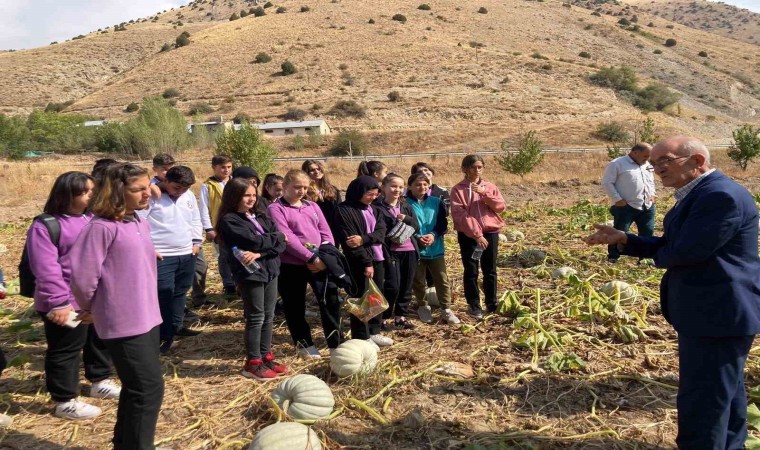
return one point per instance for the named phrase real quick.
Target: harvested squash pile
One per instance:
(577, 356)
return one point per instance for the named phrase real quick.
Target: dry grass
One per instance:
(623, 399)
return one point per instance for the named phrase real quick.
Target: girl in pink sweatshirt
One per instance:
(114, 281)
(66, 340)
(476, 206)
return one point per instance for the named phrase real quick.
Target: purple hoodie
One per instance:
(302, 225)
(114, 276)
(47, 262)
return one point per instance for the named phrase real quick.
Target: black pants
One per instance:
(292, 286)
(137, 363)
(199, 279)
(712, 401)
(66, 348)
(399, 277)
(258, 308)
(359, 329)
(3, 362)
(487, 264)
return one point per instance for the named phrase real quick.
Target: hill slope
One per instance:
(526, 73)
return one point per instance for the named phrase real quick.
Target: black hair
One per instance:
(220, 159)
(419, 165)
(100, 167)
(370, 168)
(181, 175)
(67, 186)
(163, 159)
(416, 176)
(231, 196)
(470, 160)
(269, 180)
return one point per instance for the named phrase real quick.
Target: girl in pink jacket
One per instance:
(476, 206)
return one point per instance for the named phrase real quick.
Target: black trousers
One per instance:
(359, 329)
(487, 265)
(66, 348)
(712, 402)
(258, 309)
(399, 277)
(137, 363)
(292, 286)
(199, 279)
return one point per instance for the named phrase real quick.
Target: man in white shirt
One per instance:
(629, 183)
(175, 229)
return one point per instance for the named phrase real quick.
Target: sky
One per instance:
(34, 23)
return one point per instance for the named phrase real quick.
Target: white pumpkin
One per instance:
(304, 397)
(512, 236)
(286, 436)
(532, 257)
(627, 292)
(563, 272)
(352, 357)
(431, 297)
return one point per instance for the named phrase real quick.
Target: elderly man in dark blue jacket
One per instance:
(710, 291)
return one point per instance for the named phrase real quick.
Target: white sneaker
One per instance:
(5, 421)
(105, 389)
(380, 340)
(76, 409)
(309, 352)
(425, 314)
(449, 316)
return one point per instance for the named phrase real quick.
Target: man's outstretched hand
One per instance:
(605, 235)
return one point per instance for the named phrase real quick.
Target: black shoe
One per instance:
(491, 309)
(612, 260)
(165, 346)
(404, 325)
(476, 313)
(230, 290)
(190, 315)
(187, 332)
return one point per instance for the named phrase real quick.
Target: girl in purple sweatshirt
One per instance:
(303, 223)
(54, 301)
(114, 278)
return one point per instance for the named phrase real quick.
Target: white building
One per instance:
(292, 128)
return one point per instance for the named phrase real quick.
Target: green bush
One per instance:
(58, 107)
(424, 7)
(132, 107)
(621, 79)
(346, 108)
(348, 142)
(584, 54)
(702, 54)
(343, 66)
(242, 117)
(399, 18)
(523, 159)
(200, 108)
(181, 41)
(483, 10)
(746, 145)
(294, 114)
(247, 147)
(371, 21)
(612, 132)
(170, 93)
(268, 5)
(394, 96)
(166, 47)
(670, 42)
(234, 16)
(259, 11)
(657, 51)
(655, 97)
(624, 22)
(262, 58)
(305, 9)
(281, 10)
(243, 13)
(15, 137)
(288, 68)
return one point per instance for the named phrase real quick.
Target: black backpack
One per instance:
(26, 279)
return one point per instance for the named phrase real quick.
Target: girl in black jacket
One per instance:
(257, 237)
(361, 233)
(401, 266)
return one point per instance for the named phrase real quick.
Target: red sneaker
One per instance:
(273, 365)
(256, 369)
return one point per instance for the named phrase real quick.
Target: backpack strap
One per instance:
(52, 225)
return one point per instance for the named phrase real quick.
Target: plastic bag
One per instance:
(371, 304)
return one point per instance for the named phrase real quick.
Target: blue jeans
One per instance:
(625, 216)
(175, 277)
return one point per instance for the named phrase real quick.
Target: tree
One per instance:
(262, 58)
(646, 133)
(522, 160)
(670, 42)
(247, 147)
(746, 145)
(181, 41)
(132, 107)
(612, 132)
(348, 142)
(234, 16)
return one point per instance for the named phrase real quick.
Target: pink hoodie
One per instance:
(473, 213)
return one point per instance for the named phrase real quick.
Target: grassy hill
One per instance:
(477, 75)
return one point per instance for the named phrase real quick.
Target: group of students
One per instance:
(114, 285)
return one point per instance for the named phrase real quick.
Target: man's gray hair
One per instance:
(694, 146)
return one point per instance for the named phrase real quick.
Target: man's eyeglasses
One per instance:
(665, 161)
